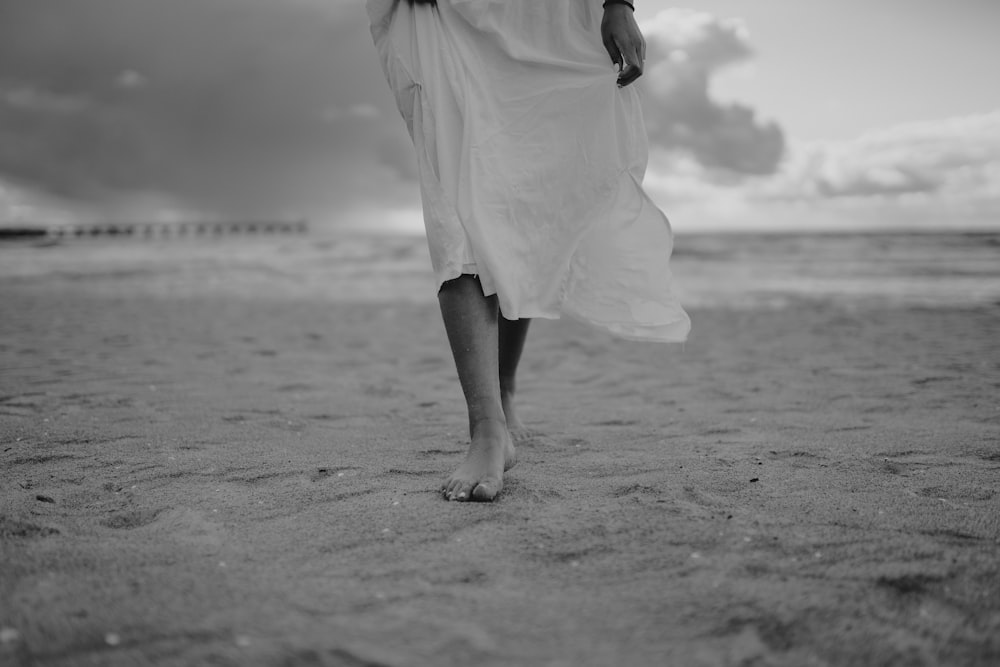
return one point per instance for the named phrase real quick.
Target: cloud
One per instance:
(684, 49)
(254, 107)
(231, 106)
(22, 205)
(955, 157)
(932, 174)
(718, 165)
(121, 108)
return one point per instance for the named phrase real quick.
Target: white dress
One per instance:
(531, 160)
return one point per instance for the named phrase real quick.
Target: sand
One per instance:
(208, 455)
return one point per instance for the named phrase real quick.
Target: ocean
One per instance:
(730, 270)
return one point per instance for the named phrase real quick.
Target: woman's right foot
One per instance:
(480, 476)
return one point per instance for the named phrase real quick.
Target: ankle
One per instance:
(487, 425)
(508, 385)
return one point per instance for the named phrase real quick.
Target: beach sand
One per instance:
(218, 454)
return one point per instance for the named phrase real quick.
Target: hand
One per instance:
(624, 42)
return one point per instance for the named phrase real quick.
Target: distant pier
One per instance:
(148, 230)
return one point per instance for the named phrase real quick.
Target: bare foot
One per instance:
(480, 477)
(518, 431)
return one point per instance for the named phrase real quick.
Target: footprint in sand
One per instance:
(615, 422)
(907, 463)
(187, 525)
(19, 405)
(909, 584)
(12, 528)
(131, 519)
(334, 472)
(637, 490)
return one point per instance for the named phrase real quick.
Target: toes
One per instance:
(462, 491)
(486, 490)
(523, 434)
(457, 489)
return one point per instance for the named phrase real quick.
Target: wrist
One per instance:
(608, 4)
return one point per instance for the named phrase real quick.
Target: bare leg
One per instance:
(512, 335)
(471, 322)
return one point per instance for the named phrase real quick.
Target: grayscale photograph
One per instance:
(556, 333)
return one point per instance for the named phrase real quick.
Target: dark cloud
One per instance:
(263, 107)
(231, 105)
(685, 48)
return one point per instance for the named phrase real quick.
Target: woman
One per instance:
(530, 160)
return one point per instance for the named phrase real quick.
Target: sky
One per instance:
(762, 114)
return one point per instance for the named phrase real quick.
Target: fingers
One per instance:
(633, 56)
(628, 75)
(614, 52)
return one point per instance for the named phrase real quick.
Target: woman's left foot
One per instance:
(518, 431)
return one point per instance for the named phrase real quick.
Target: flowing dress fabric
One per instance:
(531, 160)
